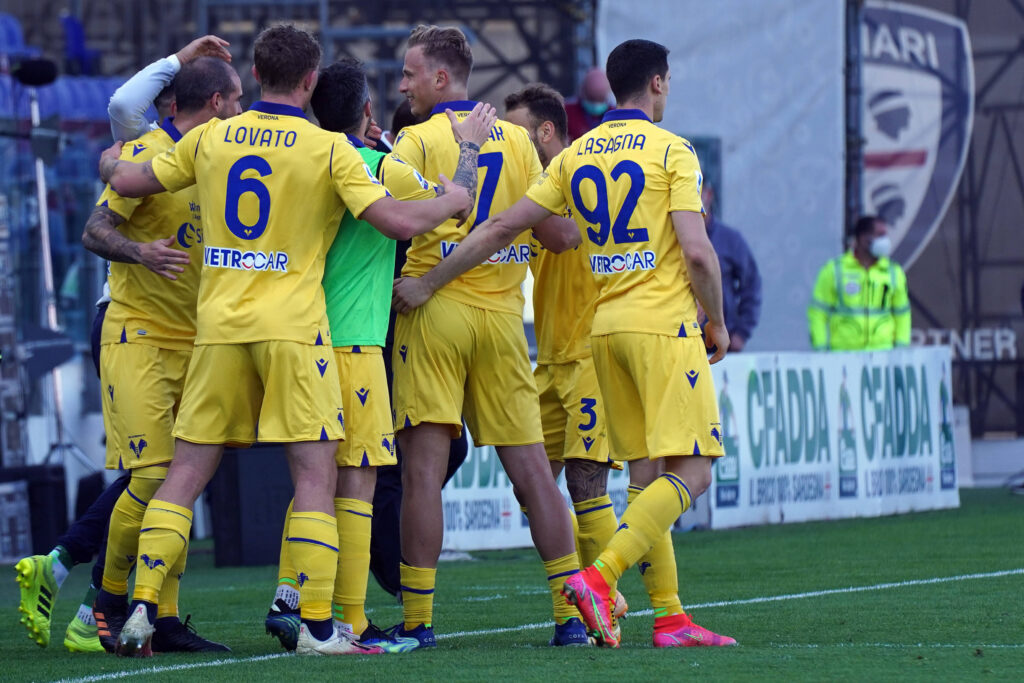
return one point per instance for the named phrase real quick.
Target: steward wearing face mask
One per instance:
(860, 300)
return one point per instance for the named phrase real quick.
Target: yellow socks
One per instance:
(354, 519)
(417, 595)
(164, 537)
(287, 579)
(558, 571)
(645, 521)
(313, 547)
(167, 604)
(595, 525)
(125, 522)
(658, 570)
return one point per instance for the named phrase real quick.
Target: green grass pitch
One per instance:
(927, 596)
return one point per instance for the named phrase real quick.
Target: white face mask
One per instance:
(881, 247)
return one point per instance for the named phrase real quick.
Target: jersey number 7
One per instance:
(491, 163)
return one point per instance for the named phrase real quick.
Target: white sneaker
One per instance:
(136, 636)
(340, 643)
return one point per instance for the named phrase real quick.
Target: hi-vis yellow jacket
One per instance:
(854, 308)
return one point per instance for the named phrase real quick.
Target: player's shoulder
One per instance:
(423, 128)
(147, 145)
(678, 150)
(413, 135)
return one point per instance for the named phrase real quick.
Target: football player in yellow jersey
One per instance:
(147, 337)
(465, 354)
(564, 294)
(358, 309)
(274, 187)
(634, 190)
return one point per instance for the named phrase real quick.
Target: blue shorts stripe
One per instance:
(296, 539)
(418, 591)
(593, 509)
(568, 573)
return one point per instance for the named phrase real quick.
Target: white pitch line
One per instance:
(547, 624)
(771, 598)
(128, 673)
(860, 589)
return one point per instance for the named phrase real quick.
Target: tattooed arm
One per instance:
(471, 132)
(126, 178)
(102, 238)
(465, 173)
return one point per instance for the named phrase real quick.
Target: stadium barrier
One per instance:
(806, 436)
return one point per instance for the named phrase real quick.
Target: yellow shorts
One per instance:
(658, 394)
(452, 360)
(276, 391)
(142, 388)
(572, 411)
(369, 427)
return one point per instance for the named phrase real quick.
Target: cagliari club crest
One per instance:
(918, 109)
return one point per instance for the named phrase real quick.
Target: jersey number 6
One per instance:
(238, 187)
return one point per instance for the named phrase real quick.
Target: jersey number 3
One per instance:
(600, 215)
(238, 187)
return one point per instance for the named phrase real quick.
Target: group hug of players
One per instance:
(251, 279)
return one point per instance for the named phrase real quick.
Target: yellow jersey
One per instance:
(622, 180)
(564, 296)
(146, 308)
(274, 186)
(508, 164)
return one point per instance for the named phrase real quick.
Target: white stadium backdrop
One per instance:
(766, 78)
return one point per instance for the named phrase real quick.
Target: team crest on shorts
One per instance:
(137, 446)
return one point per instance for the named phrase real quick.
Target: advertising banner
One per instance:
(806, 436)
(481, 512)
(827, 436)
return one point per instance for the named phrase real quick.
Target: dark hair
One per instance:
(544, 104)
(864, 225)
(283, 55)
(340, 95)
(633, 64)
(403, 117)
(446, 47)
(163, 100)
(198, 80)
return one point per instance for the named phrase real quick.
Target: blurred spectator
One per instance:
(860, 300)
(586, 109)
(741, 281)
